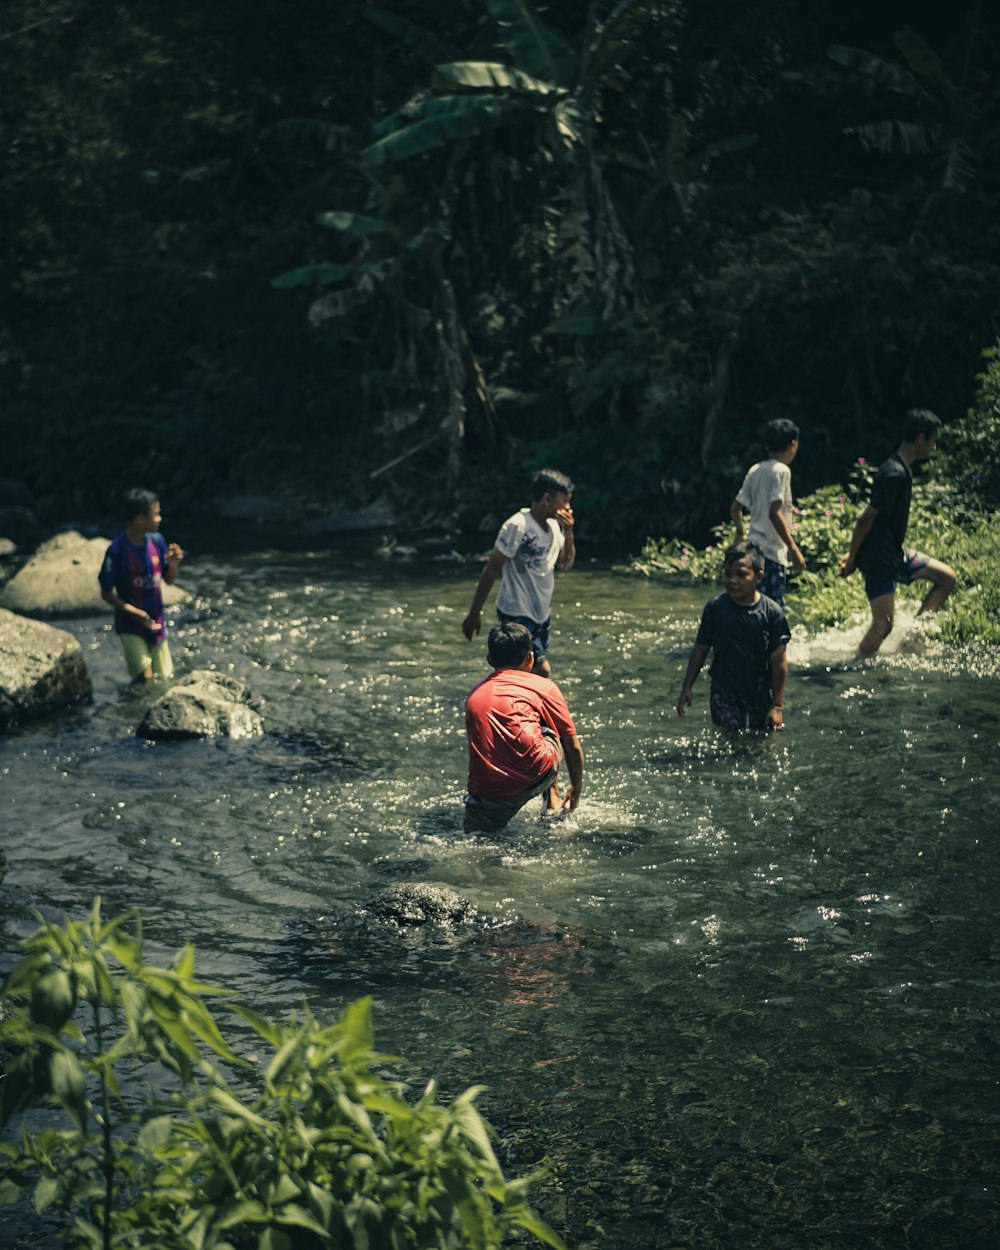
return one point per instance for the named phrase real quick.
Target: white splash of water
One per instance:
(838, 644)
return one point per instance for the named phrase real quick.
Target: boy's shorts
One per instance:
(775, 580)
(141, 654)
(539, 634)
(489, 815)
(880, 580)
(728, 712)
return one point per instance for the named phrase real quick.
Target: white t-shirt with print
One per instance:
(766, 482)
(532, 551)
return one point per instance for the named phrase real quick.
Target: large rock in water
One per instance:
(418, 902)
(41, 669)
(203, 705)
(61, 580)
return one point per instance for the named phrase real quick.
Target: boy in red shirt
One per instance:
(519, 730)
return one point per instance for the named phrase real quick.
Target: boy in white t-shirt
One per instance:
(530, 546)
(766, 494)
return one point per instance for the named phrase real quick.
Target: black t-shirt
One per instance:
(742, 640)
(891, 492)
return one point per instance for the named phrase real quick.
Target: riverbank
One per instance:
(954, 517)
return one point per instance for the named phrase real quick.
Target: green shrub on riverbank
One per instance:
(950, 519)
(323, 1151)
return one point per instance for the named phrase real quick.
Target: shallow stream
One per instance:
(755, 999)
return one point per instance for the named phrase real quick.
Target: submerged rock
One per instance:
(61, 580)
(203, 705)
(41, 669)
(414, 903)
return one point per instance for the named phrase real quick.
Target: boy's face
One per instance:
(554, 501)
(926, 446)
(152, 520)
(741, 580)
(793, 450)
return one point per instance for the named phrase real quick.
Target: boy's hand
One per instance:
(684, 700)
(846, 566)
(773, 721)
(798, 559)
(175, 553)
(472, 624)
(570, 799)
(565, 517)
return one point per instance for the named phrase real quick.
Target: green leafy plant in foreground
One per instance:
(315, 1149)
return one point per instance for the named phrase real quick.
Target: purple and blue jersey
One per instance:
(135, 573)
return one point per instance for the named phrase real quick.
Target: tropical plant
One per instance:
(315, 1147)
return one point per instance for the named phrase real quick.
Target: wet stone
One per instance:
(203, 705)
(41, 669)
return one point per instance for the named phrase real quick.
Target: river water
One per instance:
(748, 997)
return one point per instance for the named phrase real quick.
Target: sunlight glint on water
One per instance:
(745, 995)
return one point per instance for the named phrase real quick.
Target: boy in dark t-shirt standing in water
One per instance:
(877, 542)
(748, 633)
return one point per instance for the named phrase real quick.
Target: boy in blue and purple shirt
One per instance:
(135, 565)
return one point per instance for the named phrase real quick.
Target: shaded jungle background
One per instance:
(332, 251)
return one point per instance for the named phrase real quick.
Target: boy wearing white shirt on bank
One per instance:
(766, 494)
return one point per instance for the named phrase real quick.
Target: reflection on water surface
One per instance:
(745, 997)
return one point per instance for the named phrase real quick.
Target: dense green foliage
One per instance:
(259, 247)
(953, 516)
(324, 1151)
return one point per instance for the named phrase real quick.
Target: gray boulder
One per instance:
(415, 903)
(41, 669)
(203, 705)
(61, 580)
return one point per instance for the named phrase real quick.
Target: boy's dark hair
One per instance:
(920, 421)
(508, 644)
(137, 501)
(745, 548)
(780, 433)
(550, 481)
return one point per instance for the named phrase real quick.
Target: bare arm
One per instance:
(111, 597)
(494, 567)
(573, 755)
(777, 516)
(862, 528)
(779, 671)
(699, 654)
(736, 512)
(175, 554)
(568, 554)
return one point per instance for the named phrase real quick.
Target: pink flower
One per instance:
(841, 499)
(829, 512)
(862, 460)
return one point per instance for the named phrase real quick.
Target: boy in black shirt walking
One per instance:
(748, 633)
(877, 542)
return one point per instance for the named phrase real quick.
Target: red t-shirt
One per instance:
(504, 715)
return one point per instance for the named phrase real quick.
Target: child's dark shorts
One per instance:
(882, 580)
(539, 634)
(775, 580)
(729, 712)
